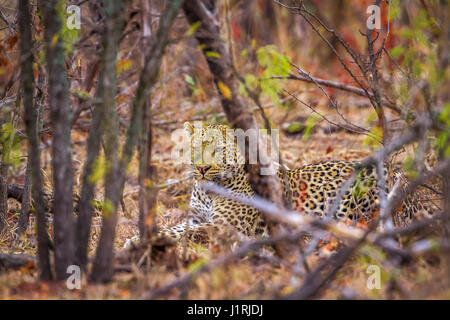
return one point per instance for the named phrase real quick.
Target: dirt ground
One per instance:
(258, 276)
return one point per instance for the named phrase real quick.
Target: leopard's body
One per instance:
(311, 187)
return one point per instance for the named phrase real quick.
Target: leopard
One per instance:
(311, 189)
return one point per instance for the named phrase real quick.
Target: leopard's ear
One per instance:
(189, 129)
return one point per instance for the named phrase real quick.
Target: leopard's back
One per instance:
(313, 187)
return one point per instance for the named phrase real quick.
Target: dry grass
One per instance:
(249, 278)
(253, 277)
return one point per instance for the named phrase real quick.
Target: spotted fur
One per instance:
(313, 187)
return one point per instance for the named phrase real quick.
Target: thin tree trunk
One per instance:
(103, 269)
(374, 85)
(26, 197)
(147, 173)
(234, 105)
(63, 227)
(31, 116)
(146, 21)
(26, 200)
(103, 264)
(3, 180)
(148, 191)
(3, 195)
(85, 208)
(444, 62)
(446, 204)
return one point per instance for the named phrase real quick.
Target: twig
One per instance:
(347, 128)
(221, 114)
(240, 252)
(332, 102)
(340, 86)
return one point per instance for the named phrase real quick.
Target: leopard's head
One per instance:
(215, 155)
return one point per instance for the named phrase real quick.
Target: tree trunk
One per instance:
(147, 173)
(26, 197)
(30, 116)
(85, 208)
(3, 195)
(107, 110)
(148, 191)
(26, 200)
(446, 204)
(103, 264)
(63, 227)
(235, 106)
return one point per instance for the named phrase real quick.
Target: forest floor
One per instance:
(253, 277)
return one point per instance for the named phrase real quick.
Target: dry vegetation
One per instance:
(185, 92)
(250, 278)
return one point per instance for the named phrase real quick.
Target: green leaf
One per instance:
(406, 33)
(295, 127)
(421, 20)
(274, 64)
(242, 90)
(68, 36)
(447, 152)
(417, 68)
(123, 65)
(309, 125)
(361, 186)
(193, 28)
(397, 51)
(82, 94)
(409, 56)
(372, 116)
(420, 36)
(441, 139)
(395, 9)
(408, 167)
(189, 80)
(216, 118)
(197, 264)
(375, 136)
(251, 81)
(444, 115)
(98, 170)
(9, 145)
(212, 54)
(108, 208)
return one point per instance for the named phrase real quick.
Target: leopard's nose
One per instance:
(203, 170)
